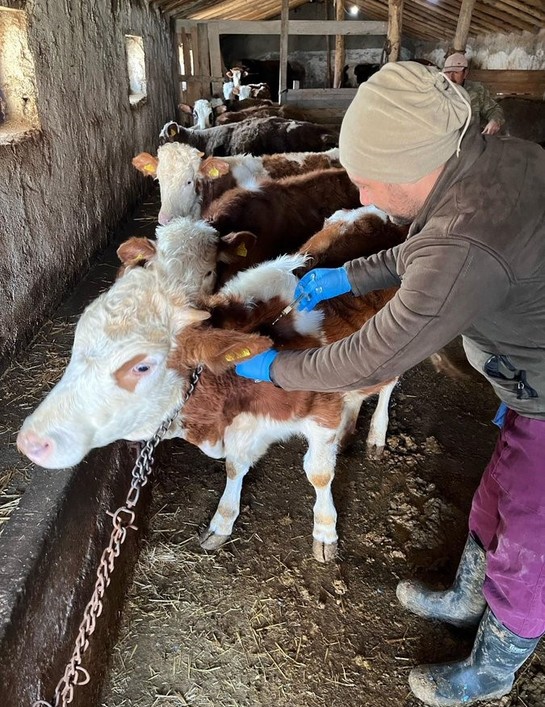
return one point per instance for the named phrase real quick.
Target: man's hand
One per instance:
(491, 128)
(320, 284)
(258, 367)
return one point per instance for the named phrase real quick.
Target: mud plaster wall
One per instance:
(496, 51)
(64, 187)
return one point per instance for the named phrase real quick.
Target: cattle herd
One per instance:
(246, 208)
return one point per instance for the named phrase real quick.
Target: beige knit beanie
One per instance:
(404, 121)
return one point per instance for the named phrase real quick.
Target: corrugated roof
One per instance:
(422, 19)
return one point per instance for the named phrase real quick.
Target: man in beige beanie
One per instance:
(473, 264)
(485, 109)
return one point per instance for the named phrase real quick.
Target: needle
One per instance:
(288, 308)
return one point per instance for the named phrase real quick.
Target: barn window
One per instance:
(185, 55)
(136, 66)
(18, 105)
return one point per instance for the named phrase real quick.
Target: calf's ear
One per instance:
(185, 108)
(135, 251)
(217, 349)
(146, 163)
(214, 167)
(236, 246)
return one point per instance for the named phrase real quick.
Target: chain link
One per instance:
(122, 519)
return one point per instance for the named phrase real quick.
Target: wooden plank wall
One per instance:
(510, 82)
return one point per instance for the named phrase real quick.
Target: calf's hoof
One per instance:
(374, 452)
(324, 552)
(210, 540)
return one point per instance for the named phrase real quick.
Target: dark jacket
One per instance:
(473, 264)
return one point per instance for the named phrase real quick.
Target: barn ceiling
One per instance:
(422, 19)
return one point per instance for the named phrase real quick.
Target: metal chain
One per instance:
(122, 519)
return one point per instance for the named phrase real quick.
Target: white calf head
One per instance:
(118, 384)
(236, 74)
(188, 249)
(177, 170)
(202, 114)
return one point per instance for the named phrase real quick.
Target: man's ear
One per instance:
(236, 246)
(214, 167)
(146, 163)
(217, 349)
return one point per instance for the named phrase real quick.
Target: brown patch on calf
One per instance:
(279, 166)
(217, 400)
(124, 376)
(338, 242)
(320, 480)
(211, 188)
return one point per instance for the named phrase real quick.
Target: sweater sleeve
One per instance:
(376, 272)
(491, 109)
(446, 286)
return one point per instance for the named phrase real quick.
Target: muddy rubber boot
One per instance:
(488, 673)
(463, 604)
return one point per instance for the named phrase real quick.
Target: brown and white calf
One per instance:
(134, 352)
(189, 181)
(257, 136)
(280, 215)
(347, 235)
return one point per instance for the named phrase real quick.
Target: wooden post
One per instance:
(216, 67)
(462, 28)
(339, 47)
(395, 24)
(284, 39)
(204, 57)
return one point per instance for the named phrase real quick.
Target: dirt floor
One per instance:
(260, 622)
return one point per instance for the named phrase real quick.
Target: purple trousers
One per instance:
(508, 517)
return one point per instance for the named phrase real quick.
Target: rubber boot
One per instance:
(463, 604)
(488, 673)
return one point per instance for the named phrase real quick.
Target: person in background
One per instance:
(486, 110)
(473, 264)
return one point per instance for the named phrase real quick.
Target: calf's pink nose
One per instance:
(36, 448)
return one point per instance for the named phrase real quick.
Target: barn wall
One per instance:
(309, 52)
(66, 185)
(495, 51)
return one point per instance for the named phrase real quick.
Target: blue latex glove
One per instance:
(258, 367)
(320, 284)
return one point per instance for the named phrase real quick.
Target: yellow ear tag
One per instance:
(137, 258)
(149, 167)
(241, 250)
(213, 172)
(238, 355)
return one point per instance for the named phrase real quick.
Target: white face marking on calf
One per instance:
(177, 172)
(202, 112)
